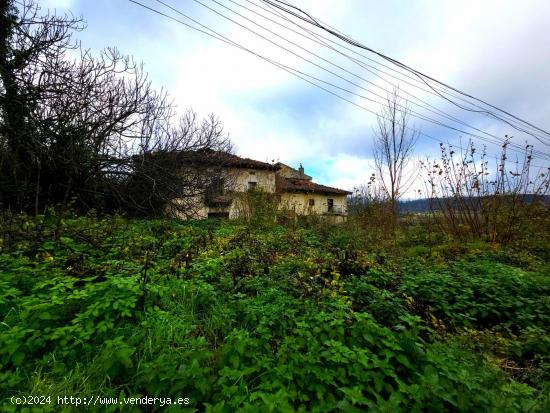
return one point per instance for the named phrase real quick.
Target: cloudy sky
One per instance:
(496, 50)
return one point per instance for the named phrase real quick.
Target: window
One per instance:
(252, 185)
(214, 192)
(311, 202)
(330, 205)
(216, 185)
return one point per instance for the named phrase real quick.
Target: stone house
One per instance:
(294, 190)
(299, 194)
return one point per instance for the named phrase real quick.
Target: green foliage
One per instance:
(257, 208)
(264, 317)
(483, 294)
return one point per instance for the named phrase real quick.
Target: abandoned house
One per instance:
(294, 190)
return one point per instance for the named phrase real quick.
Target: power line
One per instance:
(315, 37)
(426, 105)
(311, 20)
(288, 69)
(414, 113)
(420, 75)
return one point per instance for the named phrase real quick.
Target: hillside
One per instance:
(423, 205)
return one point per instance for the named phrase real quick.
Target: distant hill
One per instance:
(423, 205)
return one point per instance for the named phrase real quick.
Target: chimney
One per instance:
(301, 171)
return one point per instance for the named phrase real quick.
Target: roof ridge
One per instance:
(311, 186)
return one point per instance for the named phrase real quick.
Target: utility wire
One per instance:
(311, 20)
(461, 96)
(420, 75)
(315, 37)
(208, 31)
(413, 113)
(360, 64)
(425, 106)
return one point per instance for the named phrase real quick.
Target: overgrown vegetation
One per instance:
(471, 199)
(259, 316)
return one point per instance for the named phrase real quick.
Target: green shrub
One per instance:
(246, 317)
(482, 294)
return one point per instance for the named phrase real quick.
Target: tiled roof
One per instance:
(208, 157)
(304, 185)
(228, 159)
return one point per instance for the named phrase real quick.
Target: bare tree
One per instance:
(393, 145)
(27, 42)
(91, 128)
(175, 169)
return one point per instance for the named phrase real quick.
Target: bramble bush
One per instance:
(268, 317)
(483, 294)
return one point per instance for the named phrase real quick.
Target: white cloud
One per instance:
(347, 171)
(57, 4)
(452, 44)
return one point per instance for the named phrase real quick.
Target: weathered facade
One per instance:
(302, 196)
(294, 190)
